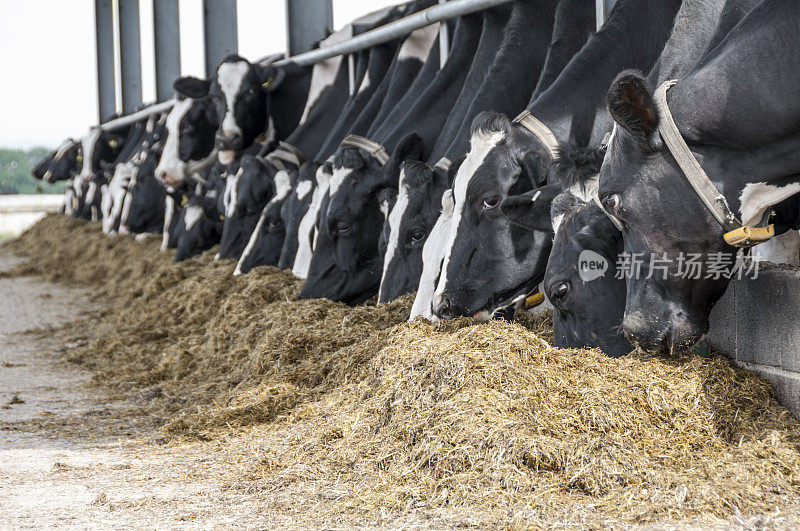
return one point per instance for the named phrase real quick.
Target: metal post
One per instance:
(166, 31)
(130, 59)
(308, 21)
(444, 40)
(219, 28)
(104, 34)
(602, 9)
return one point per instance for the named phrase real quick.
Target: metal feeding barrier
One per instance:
(445, 10)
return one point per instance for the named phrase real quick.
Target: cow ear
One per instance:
(532, 209)
(632, 107)
(409, 148)
(192, 87)
(270, 77)
(534, 168)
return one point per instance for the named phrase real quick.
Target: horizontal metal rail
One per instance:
(124, 121)
(394, 30)
(386, 33)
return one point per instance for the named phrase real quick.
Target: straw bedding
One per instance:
(486, 416)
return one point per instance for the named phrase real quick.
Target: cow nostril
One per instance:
(441, 306)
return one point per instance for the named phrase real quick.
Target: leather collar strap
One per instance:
(444, 164)
(735, 233)
(377, 151)
(287, 153)
(540, 131)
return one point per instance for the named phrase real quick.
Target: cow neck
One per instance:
(574, 107)
(428, 114)
(310, 135)
(378, 63)
(518, 64)
(493, 22)
(403, 96)
(735, 233)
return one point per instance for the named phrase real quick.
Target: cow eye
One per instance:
(611, 203)
(342, 228)
(561, 291)
(491, 202)
(274, 223)
(187, 129)
(417, 235)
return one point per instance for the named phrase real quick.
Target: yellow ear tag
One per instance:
(79, 158)
(221, 217)
(266, 83)
(184, 201)
(534, 300)
(113, 143)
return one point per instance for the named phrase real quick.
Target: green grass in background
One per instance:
(15, 173)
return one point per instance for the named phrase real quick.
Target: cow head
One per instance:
(266, 241)
(581, 280)
(246, 194)
(65, 162)
(347, 263)
(200, 224)
(143, 206)
(191, 125)
(410, 222)
(490, 262)
(664, 224)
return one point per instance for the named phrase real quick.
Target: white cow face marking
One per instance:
(308, 224)
(394, 218)
(303, 187)
(480, 146)
(230, 77)
(192, 215)
(171, 168)
(432, 256)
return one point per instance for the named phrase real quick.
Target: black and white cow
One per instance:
(489, 263)
(142, 146)
(737, 131)
(98, 147)
(417, 211)
(371, 67)
(246, 194)
(352, 273)
(301, 208)
(144, 203)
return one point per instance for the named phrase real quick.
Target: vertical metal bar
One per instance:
(444, 40)
(104, 34)
(220, 31)
(602, 9)
(351, 72)
(307, 22)
(166, 32)
(130, 55)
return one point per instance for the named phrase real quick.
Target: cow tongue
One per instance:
(226, 157)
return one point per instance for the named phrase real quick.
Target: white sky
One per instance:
(47, 56)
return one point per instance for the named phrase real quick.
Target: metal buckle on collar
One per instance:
(377, 151)
(746, 236)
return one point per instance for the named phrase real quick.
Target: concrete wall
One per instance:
(756, 324)
(18, 212)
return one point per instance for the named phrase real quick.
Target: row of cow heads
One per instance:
(225, 114)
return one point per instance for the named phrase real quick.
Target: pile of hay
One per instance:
(487, 416)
